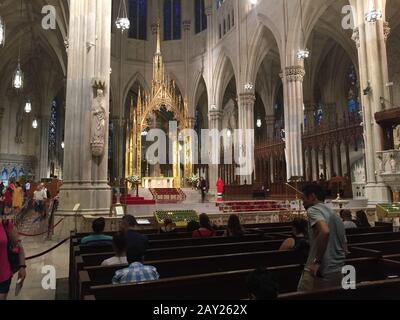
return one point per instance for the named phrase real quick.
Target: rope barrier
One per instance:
(40, 234)
(47, 251)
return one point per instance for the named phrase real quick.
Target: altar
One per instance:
(157, 183)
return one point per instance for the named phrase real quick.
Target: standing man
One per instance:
(203, 189)
(328, 243)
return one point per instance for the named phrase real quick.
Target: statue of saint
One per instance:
(19, 126)
(98, 124)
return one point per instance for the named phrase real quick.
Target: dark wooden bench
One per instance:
(385, 247)
(373, 237)
(226, 285)
(375, 290)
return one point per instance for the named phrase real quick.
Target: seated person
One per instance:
(347, 219)
(136, 272)
(119, 246)
(133, 238)
(299, 241)
(362, 220)
(98, 237)
(261, 286)
(192, 226)
(168, 226)
(205, 230)
(235, 229)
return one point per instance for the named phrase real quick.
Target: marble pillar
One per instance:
(246, 145)
(215, 122)
(270, 122)
(370, 38)
(89, 54)
(294, 119)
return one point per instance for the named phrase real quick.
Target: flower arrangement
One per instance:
(193, 180)
(134, 179)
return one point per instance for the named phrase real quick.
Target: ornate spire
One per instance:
(158, 51)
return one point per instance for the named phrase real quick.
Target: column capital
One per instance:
(356, 36)
(186, 25)
(215, 114)
(247, 98)
(295, 73)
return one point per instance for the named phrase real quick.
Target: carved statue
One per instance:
(229, 117)
(98, 124)
(19, 126)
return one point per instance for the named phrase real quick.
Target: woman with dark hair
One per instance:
(362, 220)
(299, 241)
(235, 228)
(205, 230)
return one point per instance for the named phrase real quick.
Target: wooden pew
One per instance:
(375, 290)
(223, 286)
(373, 237)
(385, 247)
(195, 265)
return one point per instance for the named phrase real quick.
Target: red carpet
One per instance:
(134, 201)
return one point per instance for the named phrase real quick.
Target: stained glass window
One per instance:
(172, 20)
(53, 126)
(138, 19)
(200, 15)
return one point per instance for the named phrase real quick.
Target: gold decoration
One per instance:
(163, 95)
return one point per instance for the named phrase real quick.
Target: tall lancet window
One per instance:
(53, 128)
(138, 19)
(200, 15)
(172, 20)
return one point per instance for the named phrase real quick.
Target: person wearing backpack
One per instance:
(12, 257)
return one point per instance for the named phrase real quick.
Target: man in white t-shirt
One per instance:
(119, 245)
(40, 196)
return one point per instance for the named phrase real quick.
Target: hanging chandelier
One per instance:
(2, 32)
(122, 21)
(34, 124)
(18, 78)
(28, 106)
(373, 16)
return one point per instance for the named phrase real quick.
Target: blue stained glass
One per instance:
(53, 126)
(177, 19)
(168, 20)
(4, 175)
(138, 19)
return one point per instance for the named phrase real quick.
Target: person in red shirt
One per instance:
(205, 230)
(220, 188)
(7, 232)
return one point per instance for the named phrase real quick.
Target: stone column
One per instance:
(270, 121)
(370, 38)
(44, 170)
(89, 54)
(215, 122)
(294, 119)
(246, 143)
